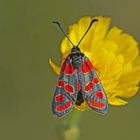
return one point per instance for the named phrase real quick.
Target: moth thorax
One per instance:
(76, 60)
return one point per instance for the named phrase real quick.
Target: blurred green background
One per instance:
(27, 40)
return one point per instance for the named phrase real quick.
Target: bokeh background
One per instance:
(27, 40)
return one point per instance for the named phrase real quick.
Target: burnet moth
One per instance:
(78, 82)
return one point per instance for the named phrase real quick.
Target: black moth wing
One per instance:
(91, 87)
(66, 90)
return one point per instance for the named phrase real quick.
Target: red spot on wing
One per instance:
(61, 108)
(67, 68)
(96, 104)
(69, 88)
(96, 80)
(59, 98)
(60, 83)
(89, 86)
(99, 94)
(87, 66)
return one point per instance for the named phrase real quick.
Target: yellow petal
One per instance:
(126, 92)
(65, 46)
(131, 52)
(124, 41)
(81, 107)
(116, 101)
(113, 33)
(137, 61)
(73, 36)
(55, 68)
(127, 68)
(109, 66)
(82, 27)
(101, 28)
(127, 44)
(133, 75)
(73, 33)
(99, 32)
(109, 45)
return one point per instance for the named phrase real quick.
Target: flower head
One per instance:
(114, 54)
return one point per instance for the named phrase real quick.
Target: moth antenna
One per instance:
(94, 20)
(59, 25)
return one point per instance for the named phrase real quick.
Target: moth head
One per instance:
(75, 49)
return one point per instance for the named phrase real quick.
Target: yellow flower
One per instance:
(114, 54)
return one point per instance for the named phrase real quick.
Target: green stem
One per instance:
(68, 127)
